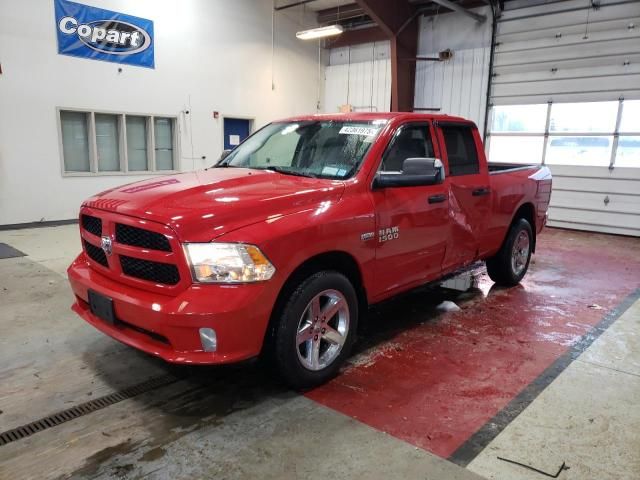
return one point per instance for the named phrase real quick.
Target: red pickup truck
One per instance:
(280, 247)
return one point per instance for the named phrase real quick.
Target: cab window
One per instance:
(410, 141)
(461, 150)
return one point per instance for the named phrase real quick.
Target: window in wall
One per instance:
(75, 141)
(519, 118)
(163, 134)
(584, 133)
(108, 143)
(461, 150)
(581, 133)
(137, 155)
(517, 133)
(628, 148)
(586, 117)
(579, 150)
(628, 151)
(516, 149)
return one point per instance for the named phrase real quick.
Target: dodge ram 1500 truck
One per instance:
(279, 248)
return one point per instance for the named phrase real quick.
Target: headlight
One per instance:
(228, 263)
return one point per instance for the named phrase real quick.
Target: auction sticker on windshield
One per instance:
(354, 130)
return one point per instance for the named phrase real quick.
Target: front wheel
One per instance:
(316, 329)
(511, 262)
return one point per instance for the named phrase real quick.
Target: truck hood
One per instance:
(200, 206)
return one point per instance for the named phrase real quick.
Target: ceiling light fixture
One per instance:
(320, 32)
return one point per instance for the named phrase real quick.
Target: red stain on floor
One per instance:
(442, 378)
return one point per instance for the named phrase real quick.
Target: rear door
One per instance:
(469, 191)
(412, 222)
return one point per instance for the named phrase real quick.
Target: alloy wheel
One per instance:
(322, 330)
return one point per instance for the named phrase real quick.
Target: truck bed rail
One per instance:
(497, 168)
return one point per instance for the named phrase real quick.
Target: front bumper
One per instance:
(168, 326)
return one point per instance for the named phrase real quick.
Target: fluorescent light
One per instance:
(320, 32)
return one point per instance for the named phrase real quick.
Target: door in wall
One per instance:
(235, 131)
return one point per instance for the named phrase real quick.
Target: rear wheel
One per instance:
(316, 329)
(511, 262)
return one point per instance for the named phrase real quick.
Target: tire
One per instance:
(510, 264)
(309, 350)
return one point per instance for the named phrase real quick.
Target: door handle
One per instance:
(437, 198)
(478, 192)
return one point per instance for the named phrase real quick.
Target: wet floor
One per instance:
(442, 376)
(421, 382)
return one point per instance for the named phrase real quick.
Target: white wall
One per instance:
(359, 75)
(215, 52)
(457, 86)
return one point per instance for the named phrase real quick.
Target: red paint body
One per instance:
(292, 219)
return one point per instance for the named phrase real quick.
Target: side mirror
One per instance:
(415, 172)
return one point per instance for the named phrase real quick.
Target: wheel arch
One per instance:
(528, 212)
(336, 260)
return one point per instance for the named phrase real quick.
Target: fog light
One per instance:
(208, 339)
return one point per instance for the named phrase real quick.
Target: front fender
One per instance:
(290, 240)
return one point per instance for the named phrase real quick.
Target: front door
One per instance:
(411, 221)
(469, 192)
(235, 131)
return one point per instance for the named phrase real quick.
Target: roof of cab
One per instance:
(367, 116)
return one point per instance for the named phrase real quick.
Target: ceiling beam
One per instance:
(388, 15)
(403, 74)
(343, 12)
(397, 20)
(356, 37)
(292, 4)
(458, 8)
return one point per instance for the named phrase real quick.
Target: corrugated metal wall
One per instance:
(359, 75)
(457, 86)
(563, 51)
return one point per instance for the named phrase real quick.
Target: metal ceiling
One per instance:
(351, 15)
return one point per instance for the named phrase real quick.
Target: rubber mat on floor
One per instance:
(7, 251)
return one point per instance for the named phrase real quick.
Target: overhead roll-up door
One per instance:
(566, 92)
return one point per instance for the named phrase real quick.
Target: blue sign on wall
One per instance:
(99, 34)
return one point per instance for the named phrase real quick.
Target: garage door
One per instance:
(566, 92)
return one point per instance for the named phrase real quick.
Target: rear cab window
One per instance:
(460, 145)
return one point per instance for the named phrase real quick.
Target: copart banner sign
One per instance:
(99, 34)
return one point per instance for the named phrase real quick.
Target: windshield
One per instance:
(323, 149)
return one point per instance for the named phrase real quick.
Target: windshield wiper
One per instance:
(223, 164)
(275, 168)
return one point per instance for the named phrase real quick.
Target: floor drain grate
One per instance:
(83, 409)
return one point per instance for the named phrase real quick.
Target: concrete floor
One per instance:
(541, 374)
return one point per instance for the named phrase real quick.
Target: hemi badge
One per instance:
(367, 236)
